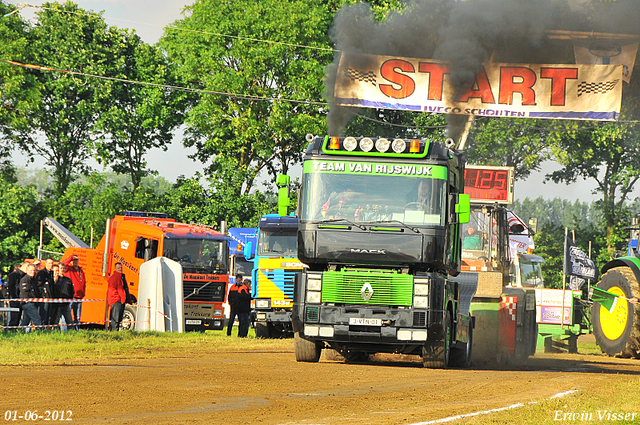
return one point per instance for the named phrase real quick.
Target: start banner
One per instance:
(579, 92)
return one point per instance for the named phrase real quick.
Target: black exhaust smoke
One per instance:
(468, 33)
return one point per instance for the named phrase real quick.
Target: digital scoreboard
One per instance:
(489, 184)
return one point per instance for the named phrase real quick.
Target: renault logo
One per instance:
(366, 291)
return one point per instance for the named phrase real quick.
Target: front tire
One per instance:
(262, 330)
(461, 357)
(307, 351)
(128, 318)
(436, 351)
(618, 333)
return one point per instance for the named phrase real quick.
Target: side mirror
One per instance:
(248, 251)
(282, 182)
(463, 208)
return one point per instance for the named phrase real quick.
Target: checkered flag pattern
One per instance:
(365, 77)
(596, 88)
(511, 305)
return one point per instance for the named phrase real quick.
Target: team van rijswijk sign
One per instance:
(579, 92)
(375, 168)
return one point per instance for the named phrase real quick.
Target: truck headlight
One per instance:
(313, 297)
(421, 289)
(262, 303)
(314, 284)
(217, 312)
(420, 302)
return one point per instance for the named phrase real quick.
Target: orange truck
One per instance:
(135, 237)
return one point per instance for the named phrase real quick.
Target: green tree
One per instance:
(62, 129)
(608, 154)
(18, 87)
(190, 201)
(508, 142)
(261, 124)
(138, 117)
(20, 213)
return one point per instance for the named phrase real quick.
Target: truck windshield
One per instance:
(479, 236)
(195, 253)
(530, 274)
(409, 199)
(278, 242)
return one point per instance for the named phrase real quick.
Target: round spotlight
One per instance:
(399, 145)
(382, 145)
(366, 144)
(350, 143)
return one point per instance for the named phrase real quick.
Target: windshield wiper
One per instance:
(415, 229)
(335, 220)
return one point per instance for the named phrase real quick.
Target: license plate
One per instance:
(360, 321)
(193, 322)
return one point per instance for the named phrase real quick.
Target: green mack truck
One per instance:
(379, 230)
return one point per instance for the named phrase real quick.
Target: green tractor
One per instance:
(617, 332)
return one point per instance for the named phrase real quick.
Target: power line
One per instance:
(273, 99)
(166, 86)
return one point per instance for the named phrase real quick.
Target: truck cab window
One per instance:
(146, 249)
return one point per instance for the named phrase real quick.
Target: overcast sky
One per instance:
(149, 17)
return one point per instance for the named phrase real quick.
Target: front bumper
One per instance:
(204, 325)
(406, 326)
(269, 316)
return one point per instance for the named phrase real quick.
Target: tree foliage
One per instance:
(20, 212)
(137, 117)
(62, 127)
(508, 142)
(18, 88)
(608, 154)
(257, 112)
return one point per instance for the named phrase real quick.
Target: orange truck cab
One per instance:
(136, 237)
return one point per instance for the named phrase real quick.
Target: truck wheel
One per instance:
(128, 318)
(618, 333)
(461, 357)
(262, 330)
(435, 353)
(307, 351)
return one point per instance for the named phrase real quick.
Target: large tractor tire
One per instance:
(307, 351)
(436, 351)
(618, 333)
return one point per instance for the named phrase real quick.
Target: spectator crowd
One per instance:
(31, 281)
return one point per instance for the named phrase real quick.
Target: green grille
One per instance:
(389, 288)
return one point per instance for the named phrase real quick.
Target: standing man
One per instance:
(64, 289)
(117, 295)
(76, 274)
(243, 304)
(233, 301)
(13, 291)
(28, 289)
(45, 290)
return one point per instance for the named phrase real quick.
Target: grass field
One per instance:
(615, 404)
(51, 347)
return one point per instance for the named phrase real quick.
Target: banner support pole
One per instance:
(564, 281)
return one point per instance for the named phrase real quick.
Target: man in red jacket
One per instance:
(117, 295)
(76, 274)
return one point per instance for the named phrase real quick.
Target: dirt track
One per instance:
(270, 387)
